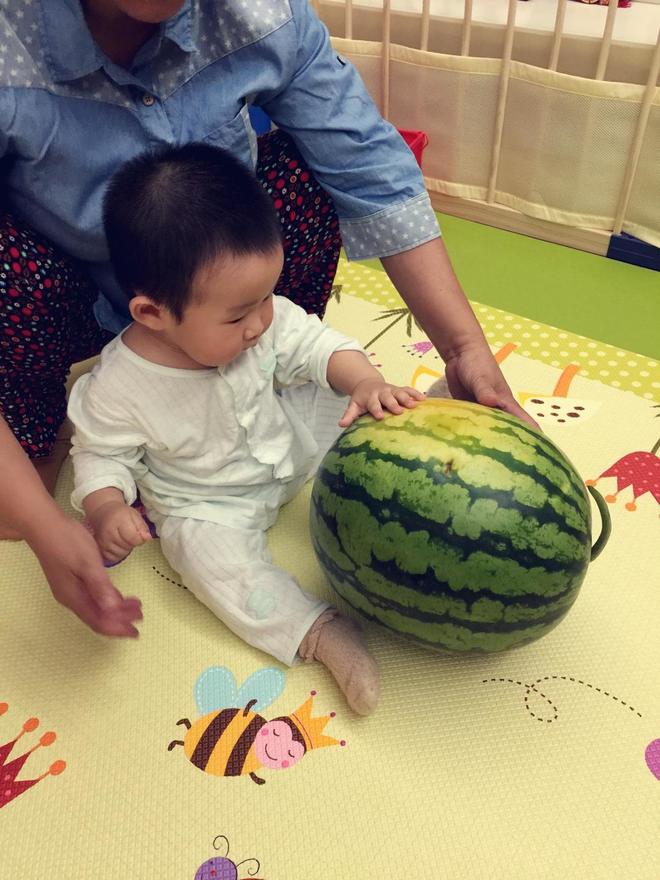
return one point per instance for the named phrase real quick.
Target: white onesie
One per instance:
(215, 453)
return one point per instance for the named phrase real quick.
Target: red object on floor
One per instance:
(416, 140)
(623, 3)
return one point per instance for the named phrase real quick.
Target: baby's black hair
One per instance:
(168, 213)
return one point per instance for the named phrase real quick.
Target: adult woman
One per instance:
(91, 83)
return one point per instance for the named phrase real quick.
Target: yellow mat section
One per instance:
(539, 763)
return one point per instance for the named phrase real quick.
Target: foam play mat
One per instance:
(541, 762)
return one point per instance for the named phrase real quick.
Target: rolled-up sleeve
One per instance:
(358, 157)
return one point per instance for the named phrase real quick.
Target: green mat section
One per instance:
(566, 288)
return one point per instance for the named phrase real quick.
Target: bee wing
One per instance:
(216, 689)
(264, 686)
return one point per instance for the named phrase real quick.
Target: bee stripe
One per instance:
(219, 762)
(236, 760)
(209, 739)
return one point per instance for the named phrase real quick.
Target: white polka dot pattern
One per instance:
(598, 360)
(390, 231)
(216, 35)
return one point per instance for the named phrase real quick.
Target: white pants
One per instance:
(231, 571)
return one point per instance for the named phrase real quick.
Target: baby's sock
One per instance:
(340, 645)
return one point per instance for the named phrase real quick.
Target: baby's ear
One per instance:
(145, 311)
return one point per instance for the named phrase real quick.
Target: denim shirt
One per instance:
(69, 117)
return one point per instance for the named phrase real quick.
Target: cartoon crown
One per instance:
(10, 787)
(312, 728)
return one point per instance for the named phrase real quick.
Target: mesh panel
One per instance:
(643, 215)
(565, 142)
(564, 151)
(457, 111)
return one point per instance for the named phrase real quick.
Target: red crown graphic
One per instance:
(10, 787)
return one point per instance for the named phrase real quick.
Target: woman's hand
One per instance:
(74, 569)
(473, 374)
(374, 395)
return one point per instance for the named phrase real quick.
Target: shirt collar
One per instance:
(69, 50)
(179, 29)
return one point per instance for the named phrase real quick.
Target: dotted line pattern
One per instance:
(531, 688)
(169, 580)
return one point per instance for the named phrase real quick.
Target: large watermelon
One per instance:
(453, 524)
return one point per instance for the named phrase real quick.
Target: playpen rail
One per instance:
(638, 139)
(557, 35)
(426, 18)
(606, 42)
(505, 74)
(385, 65)
(467, 28)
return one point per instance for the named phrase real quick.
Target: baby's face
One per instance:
(231, 307)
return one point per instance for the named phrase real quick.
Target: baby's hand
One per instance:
(117, 529)
(374, 396)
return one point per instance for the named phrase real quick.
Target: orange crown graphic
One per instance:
(312, 728)
(10, 787)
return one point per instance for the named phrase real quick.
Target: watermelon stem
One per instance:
(606, 521)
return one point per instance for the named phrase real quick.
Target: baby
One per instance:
(217, 404)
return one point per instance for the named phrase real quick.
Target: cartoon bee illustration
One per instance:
(222, 867)
(230, 741)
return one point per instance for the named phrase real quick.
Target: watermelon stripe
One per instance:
(540, 441)
(553, 457)
(374, 453)
(479, 443)
(453, 637)
(432, 537)
(482, 425)
(545, 450)
(501, 623)
(453, 525)
(413, 553)
(525, 433)
(574, 521)
(481, 421)
(528, 487)
(566, 549)
(554, 478)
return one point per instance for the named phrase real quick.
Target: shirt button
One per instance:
(148, 100)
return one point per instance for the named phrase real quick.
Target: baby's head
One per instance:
(197, 247)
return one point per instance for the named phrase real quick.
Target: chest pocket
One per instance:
(237, 137)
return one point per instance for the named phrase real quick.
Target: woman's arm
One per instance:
(24, 500)
(426, 280)
(381, 200)
(66, 551)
